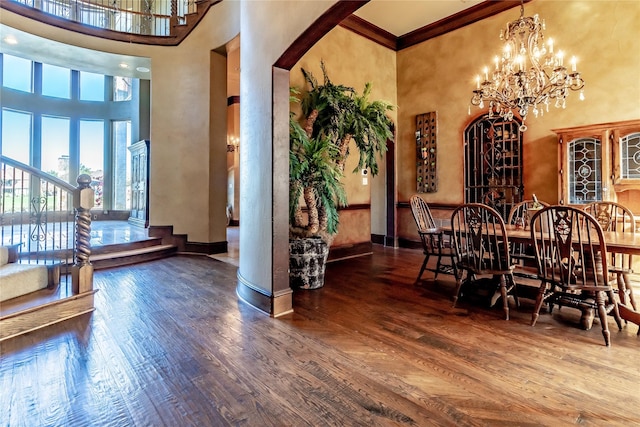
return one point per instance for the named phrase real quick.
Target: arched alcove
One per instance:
(493, 163)
(273, 294)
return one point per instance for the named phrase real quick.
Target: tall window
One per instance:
(55, 146)
(122, 88)
(92, 155)
(91, 86)
(56, 81)
(122, 165)
(83, 141)
(16, 135)
(17, 73)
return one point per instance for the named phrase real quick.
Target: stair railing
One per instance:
(48, 220)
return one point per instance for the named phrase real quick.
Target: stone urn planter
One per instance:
(307, 261)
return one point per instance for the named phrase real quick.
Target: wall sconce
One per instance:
(233, 144)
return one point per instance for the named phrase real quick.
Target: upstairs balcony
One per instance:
(162, 22)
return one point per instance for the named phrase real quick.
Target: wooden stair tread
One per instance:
(128, 246)
(132, 252)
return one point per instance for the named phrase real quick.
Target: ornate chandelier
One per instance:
(528, 76)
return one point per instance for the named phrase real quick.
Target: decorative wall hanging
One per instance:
(427, 152)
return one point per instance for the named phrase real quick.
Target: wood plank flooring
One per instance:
(170, 345)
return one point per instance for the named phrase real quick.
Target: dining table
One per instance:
(617, 242)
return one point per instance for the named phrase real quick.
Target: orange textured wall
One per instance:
(438, 75)
(352, 60)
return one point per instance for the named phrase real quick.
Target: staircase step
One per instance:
(120, 247)
(132, 256)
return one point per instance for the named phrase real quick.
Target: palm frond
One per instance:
(316, 160)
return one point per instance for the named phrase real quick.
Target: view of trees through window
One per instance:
(88, 139)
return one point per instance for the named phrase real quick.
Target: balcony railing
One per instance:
(143, 17)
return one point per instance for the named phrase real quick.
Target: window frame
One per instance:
(77, 111)
(31, 73)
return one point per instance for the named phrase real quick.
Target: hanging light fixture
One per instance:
(528, 76)
(233, 144)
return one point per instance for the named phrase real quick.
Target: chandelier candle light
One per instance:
(528, 76)
(233, 143)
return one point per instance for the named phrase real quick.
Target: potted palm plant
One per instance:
(331, 117)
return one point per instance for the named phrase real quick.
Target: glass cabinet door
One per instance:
(630, 157)
(585, 171)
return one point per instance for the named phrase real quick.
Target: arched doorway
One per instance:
(264, 233)
(493, 163)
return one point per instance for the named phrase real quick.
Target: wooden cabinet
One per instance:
(626, 155)
(597, 161)
(139, 183)
(493, 163)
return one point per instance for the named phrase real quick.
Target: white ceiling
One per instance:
(400, 17)
(397, 17)
(78, 58)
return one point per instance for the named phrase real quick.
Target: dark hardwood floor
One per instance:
(170, 345)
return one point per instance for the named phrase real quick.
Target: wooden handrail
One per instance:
(37, 172)
(47, 224)
(48, 218)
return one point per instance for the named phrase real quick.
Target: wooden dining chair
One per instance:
(434, 242)
(617, 218)
(522, 253)
(571, 255)
(519, 213)
(481, 248)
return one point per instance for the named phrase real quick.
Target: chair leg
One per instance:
(602, 314)
(424, 266)
(622, 292)
(539, 302)
(628, 290)
(622, 289)
(503, 292)
(514, 290)
(438, 264)
(456, 293)
(453, 266)
(616, 311)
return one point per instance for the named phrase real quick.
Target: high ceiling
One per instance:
(64, 55)
(397, 17)
(400, 17)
